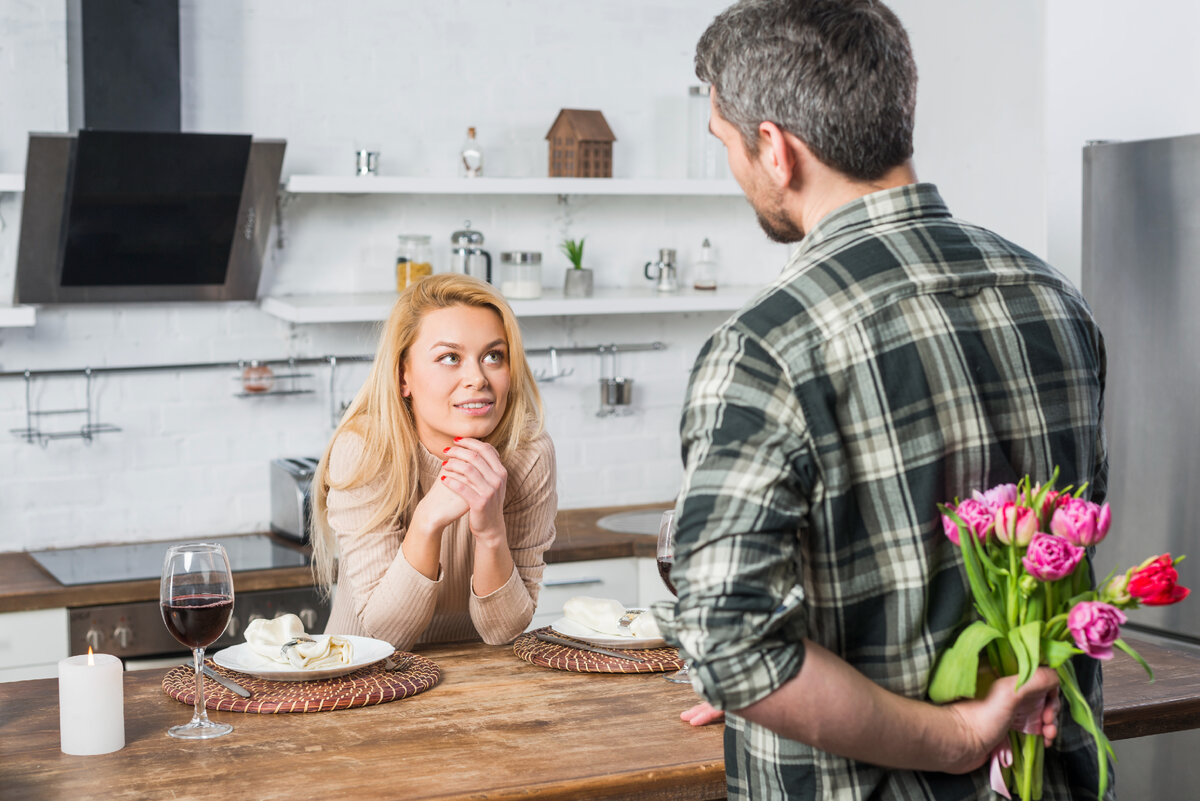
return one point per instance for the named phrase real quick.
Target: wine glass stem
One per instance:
(200, 713)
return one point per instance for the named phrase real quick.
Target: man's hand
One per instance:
(702, 714)
(985, 722)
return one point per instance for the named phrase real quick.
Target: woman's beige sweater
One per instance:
(379, 594)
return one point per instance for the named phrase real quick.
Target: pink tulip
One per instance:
(1081, 522)
(1095, 627)
(997, 496)
(1050, 558)
(1015, 524)
(977, 516)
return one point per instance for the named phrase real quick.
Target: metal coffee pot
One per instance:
(666, 279)
(466, 255)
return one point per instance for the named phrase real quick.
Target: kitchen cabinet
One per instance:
(374, 307)
(31, 643)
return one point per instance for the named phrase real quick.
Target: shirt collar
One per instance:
(908, 202)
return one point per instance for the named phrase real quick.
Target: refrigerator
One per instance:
(1141, 276)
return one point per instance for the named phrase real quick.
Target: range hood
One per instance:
(128, 208)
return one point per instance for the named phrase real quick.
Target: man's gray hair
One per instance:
(839, 74)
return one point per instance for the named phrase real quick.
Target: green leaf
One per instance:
(958, 669)
(1057, 652)
(1081, 713)
(1026, 641)
(989, 607)
(1124, 646)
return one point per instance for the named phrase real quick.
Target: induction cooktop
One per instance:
(133, 561)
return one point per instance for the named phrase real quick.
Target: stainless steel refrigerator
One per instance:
(1141, 276)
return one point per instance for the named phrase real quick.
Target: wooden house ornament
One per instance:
(580, 145)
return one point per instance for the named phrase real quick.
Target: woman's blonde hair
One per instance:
(384, 419)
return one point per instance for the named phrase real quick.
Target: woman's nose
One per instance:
(473, 376)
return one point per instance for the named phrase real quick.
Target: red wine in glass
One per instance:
(664, 570)
(196, 599)
(197, 620)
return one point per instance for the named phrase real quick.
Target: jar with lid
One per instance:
(414, 260)
(704, 272)
(522, 274)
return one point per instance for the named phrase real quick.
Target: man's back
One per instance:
(902, 359)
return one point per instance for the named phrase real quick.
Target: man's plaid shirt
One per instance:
(902, 359)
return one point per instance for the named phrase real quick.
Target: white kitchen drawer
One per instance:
(596, 578)
(33, 638)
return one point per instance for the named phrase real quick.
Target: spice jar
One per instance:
(522, 274)
(414, 260)
(257, 377)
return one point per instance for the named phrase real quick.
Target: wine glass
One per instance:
(666, 560)
(196, 596)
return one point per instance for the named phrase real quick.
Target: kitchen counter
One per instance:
(494, 728)
(24, 585)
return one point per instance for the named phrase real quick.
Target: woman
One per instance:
(437, 491)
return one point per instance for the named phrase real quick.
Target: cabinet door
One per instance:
(31, 643)
(595, 578)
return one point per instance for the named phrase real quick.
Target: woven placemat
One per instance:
(562, 657)
(370, 685)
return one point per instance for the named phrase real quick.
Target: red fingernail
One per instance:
(445, 450)
(444, 464)
(456, 439)
(443, 478)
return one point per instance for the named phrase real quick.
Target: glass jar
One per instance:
(522, 274)
(414, 260)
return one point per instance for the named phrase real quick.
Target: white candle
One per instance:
(91, 704)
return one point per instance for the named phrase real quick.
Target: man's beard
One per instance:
(776, 224)
(778, 227)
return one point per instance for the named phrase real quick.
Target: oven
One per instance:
(134, 630)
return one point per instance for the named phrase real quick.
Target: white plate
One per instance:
(244, 659)
(578, 631)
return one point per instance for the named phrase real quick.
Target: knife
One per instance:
(219, 679)
(544, 637)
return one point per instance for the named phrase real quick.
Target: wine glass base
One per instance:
(681, 676)
(200, 731)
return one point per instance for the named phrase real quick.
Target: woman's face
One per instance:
(457, 375)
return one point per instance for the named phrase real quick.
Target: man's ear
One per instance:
(783, 155)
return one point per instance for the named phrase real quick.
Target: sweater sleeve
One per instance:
(531, 503)
(391, 599)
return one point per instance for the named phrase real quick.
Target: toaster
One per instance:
(291, 509)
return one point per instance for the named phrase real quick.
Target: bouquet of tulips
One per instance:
(1024, 549)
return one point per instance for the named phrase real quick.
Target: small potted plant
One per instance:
(578, 282)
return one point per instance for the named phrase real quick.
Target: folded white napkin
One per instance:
(267, 638)
(604, 615)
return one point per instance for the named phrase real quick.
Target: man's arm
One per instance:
(855, 717)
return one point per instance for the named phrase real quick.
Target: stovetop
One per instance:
(134, 561)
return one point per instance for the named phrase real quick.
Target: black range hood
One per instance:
(129, 208)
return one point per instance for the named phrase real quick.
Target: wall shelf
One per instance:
(375, 307)
(371, 184)
(12, 182)
(17, 316)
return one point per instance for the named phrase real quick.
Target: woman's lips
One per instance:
(475, 408)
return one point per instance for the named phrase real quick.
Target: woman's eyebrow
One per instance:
(456, 346)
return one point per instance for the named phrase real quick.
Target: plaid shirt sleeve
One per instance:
(748, 465)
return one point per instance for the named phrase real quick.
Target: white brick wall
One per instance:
(407, 78)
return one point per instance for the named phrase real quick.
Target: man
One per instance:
(903, 358)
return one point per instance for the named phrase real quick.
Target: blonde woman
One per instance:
(436, 495)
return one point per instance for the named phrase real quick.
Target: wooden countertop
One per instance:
(24, 585)
(495, 728)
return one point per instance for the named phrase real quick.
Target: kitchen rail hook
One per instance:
(554, 372)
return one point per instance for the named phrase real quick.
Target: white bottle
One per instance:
(704, 273)
(470, 162)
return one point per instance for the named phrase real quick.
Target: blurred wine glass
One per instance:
(666, 561)
(196, 596)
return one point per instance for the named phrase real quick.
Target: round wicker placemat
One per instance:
(561, 657)
(371, 685)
